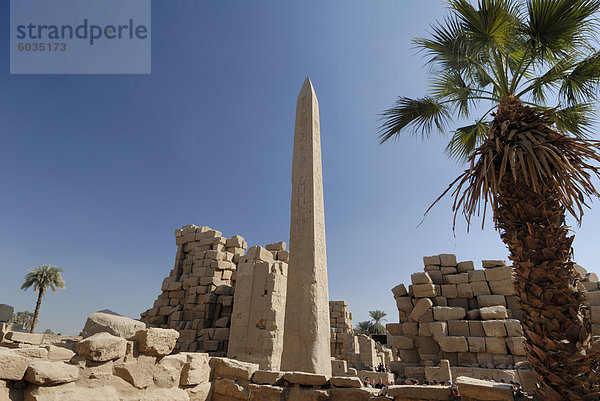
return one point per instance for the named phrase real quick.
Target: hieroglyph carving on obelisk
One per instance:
(306, 336)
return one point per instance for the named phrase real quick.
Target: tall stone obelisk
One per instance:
(306, 337)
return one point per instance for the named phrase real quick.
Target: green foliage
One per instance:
(374, 326)
(24, 318)
(43, 277)
(365, 327)
(540, 51)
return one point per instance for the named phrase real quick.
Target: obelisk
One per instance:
(306, 330)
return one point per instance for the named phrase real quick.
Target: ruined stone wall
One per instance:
(340, 319)
(470, 317)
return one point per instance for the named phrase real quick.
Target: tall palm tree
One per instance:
(41, 278)
(377, 316)
(365, 327)
(534, 64)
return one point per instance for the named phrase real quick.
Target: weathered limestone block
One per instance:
(267, 377)
(409, 392)
(491, 300)
(345, 381)
(139, 372)
(305, 379)
(448, 260)
(487, 264)
(517, 345)
(59, 353)
(502, 287)
(402, 342)
(25, 338)
(493, 312)
(438, 329)
(464, 290)
(12, 366)
(420, 308)
(473, 314)
(116, 325)
(6, 312)
(32, 352)
(476, 329)
(421, 278)
(449, 290)
(303, 394)
(167, 373)
(410, 329)
(266, 393)
(458, 328)
(432, 260)
(494, 328)
(595, 316)
(71, 392)
(230, 368)
(448, 313)
(436, 276)
(399, 290)
(448, 270)
(102, 347)
(480, 288)
(463, 267)
(424, 290)
(498, 273)
(513, 328)
(495, 345)
(155, 341)
(476, 344)
(229, 388)
(476, 276)
(453, 343)
(482, 390)
(196, 369)
(50, 373)
(353, 394)
(404, 304)
(456, 278)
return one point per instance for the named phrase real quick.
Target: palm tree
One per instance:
(42, 278)
(534, 63)
(377, 316)
(365, 327)
(24, 318)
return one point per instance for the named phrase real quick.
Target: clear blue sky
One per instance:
(98, 171)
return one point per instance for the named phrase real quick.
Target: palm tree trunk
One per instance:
(36, 313)
(557, 328)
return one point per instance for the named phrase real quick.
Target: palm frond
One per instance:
(466, 139)
(447, 46)
(538, 86)
(558, 27)
(582, 81)
(422, 114)
(577, 119)
(451, 86)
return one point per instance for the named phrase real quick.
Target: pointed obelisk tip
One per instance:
(307, 88)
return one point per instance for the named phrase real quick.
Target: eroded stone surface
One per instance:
(102, 347)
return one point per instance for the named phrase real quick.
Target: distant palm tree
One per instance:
(24, 318)
(41, 278)
(377, 317)
(365, 327)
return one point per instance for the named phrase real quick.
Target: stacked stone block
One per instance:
(452, 311)
(197, 296)
(256, 333)
(340, 319)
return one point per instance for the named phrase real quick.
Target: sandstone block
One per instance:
(421, 278)
(345, 381)
(438, 329)
(517, 345)
(230, 368)
(395, 329)
(25, 338)
(102, 347)
(6, 312)
(480, 288)
(513, 328)
(12, 366)
(229, 388)
(404, 304)
(458, 328)
(402, 342)
(305, 379)
(476, 275)
(483, 390)
(476, 344)
(155, 341)
(449, 290)
(420, 308)
(476, 329)
(493, 312)
(491, 300)
(265, 393)
(410, 329)
(267, 377)
(453, 344)
(495, 345)
(595, 316)
(448, 313)
(447, 259)
(32, 352)
(498, 273)
(448, 270)
(408, 392)
(432, 260)
(399, 290)
(139, 373)
(72, 392)
(51, 373)
(502, 287)
(487, 264)
(59, 353)
(464, 290)
(473, 314)
(196, 369)
(436, 277)
(456, 278)
(463, 267)
(494, 328)
(424, 290)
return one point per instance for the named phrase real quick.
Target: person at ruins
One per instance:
(368, 382)
(380, 383)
